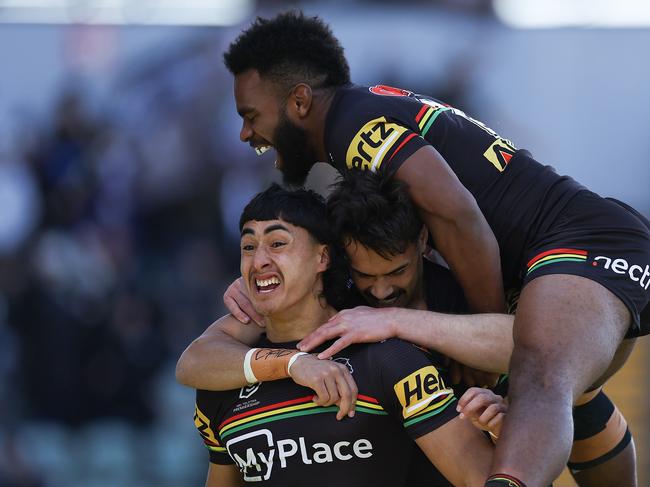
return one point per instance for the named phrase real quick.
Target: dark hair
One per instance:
(306, 209)
(374, 210)
(289, 49)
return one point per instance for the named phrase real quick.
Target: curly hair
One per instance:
(290, 49)
(374, 210)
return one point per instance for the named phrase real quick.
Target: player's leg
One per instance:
(603, 452)
(566, 332)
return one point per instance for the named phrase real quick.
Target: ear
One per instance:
(422, 239)
(323, 258)
(300, 99)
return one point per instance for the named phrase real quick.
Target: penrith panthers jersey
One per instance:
(275, 434)
(377, 128)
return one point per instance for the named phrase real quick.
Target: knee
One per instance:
(600, 433)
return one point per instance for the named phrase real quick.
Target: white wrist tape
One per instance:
(248, 371)
(292, 360)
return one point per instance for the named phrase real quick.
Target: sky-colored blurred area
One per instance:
(122, 178)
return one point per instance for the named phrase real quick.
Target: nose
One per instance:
(246, 131)
(381, 290)
(261, 259)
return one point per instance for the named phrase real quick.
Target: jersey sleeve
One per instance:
(361, 141)
(412, 390)
(205, 420)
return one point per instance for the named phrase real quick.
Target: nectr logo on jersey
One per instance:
(371, 143)
(417, 391)
(621, 266)
(256, 453)
(500, 153)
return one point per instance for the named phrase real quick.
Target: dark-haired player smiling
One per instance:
(495, 214)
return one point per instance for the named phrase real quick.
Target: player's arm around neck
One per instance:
(459, 229)
(214, 360)
(482, 341)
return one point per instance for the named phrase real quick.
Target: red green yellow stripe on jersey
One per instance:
(435, 408)
(301, 406)
(556, 255)
(427, 115)
(202, 423)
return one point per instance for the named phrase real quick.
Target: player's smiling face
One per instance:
(281, 265)
(259, 108)
(266, 124)
(396, 281)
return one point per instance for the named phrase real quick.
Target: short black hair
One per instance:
(306, 209)
(374, 210)
(290, 48)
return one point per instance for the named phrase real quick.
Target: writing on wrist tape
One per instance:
(265, 364)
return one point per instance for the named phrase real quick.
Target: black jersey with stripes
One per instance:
(275, 434)
(377, 128)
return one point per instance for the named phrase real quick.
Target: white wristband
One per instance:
(292, 360)
(248, 371)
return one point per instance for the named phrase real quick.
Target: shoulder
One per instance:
(395, 352)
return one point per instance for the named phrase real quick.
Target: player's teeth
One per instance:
(267, 282)
(261, 150)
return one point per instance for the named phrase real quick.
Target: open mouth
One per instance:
(267, 285)
(259, 150)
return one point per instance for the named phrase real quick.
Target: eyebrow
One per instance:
(267, 230)
(245, 110)
(393, 271)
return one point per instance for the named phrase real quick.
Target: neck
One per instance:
(298, 321)
(321, 105)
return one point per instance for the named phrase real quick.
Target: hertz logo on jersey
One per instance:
(371, 144)
(202, 423)
(500, 153)
(417, 391)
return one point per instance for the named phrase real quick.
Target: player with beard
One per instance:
(273, 431)
(384, 240)
(495, 214)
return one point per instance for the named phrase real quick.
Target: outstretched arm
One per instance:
(459, 229)
(214, 361)
(482, 341)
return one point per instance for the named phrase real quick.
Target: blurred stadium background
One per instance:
(122, 178)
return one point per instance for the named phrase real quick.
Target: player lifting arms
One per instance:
(495, 214)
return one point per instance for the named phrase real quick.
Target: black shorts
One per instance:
(604, 240)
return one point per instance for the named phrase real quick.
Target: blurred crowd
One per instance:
(116, 243)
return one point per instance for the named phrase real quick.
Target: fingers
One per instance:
(470, 394)
(348, 392)
(322, 334)
(336, 347)
(236, 301)
(233, 307)
(489, 414)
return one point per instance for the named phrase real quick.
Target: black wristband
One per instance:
(503, 480)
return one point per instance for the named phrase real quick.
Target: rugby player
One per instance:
(495, 214)
(273, 431)
(384, 240)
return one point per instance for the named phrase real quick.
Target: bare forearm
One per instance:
(481, 341)
(213, 362)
